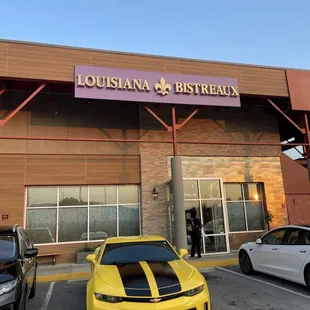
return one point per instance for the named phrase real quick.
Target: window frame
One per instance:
(88, 206)
(244, 202)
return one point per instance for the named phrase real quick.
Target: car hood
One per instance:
(8, 270)
(145, 279)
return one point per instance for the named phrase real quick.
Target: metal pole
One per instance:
(178, 203)
(174, 132)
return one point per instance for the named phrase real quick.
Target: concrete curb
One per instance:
(85, 275)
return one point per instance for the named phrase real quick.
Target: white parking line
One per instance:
(264, 282)
(48, 296)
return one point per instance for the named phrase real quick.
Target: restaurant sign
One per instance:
(143, 86)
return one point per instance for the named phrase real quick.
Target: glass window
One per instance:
(42, 197)
(120, 253)
(245, 207)
(73, 196)
(41, 225)
(128, 220)
(102, 223)
(190, 189)
(233, 192)
(210, 189)
(255, 215)
(83, 213)
(8, 247)
(212, 213)
(72, 224)
(128, 194)
(274, 238)
(236, 216)
(102, 195)
(306, 234)
(252, 191)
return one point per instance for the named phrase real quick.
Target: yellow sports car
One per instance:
(144, 272)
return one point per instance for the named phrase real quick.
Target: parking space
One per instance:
(230, 290)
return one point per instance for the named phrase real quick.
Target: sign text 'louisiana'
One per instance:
(161, 87)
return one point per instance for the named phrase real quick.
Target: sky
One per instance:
(264, 32)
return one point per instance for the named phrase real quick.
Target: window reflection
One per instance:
(212, 212)
(251, 191)
(102, 223)
(42, 197)
(128, 220)
(190, 189)
(41, 225)
(210, 189)
(236, 216)
(233, 192)
(128, 194)
(72, 224)
(73, 196)
(102, 195)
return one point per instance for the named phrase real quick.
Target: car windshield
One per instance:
(123, 253)
(7, 247)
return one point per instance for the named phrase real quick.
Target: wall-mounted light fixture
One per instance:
(155, 193)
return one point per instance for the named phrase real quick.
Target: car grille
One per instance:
(152, 300)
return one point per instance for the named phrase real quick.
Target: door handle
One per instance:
(302, 251)
(274, 249)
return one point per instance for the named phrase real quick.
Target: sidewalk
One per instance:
(65, 272)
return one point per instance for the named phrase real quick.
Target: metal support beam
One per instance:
(179, 126)
(302, 130)
(178, 203)
(169, 128)
(307, 139)
(4, 121)
(174, 132)
(148, 141)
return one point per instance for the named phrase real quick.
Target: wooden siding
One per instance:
(18, 171)
(53, 63)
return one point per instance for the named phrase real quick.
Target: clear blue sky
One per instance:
(266, 32)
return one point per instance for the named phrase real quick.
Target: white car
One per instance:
(283, 252)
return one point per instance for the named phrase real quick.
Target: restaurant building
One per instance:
(96, 143)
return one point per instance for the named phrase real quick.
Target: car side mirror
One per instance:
(91, 258)
(259, 241)
(182, 252)
(29, 253)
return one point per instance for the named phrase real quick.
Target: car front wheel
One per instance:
(245, 263)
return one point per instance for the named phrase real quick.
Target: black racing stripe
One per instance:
(166, 279)
(134, 280)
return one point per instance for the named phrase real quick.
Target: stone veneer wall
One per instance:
(244, 169)
(233, 163)
(155, 171)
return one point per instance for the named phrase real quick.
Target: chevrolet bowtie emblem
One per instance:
(155, 300)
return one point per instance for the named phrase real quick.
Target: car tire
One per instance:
(307, 275)
(34, 288)
(245, 263)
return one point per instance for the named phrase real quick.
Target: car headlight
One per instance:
(108, 298)
(194, 291)
(7, 286)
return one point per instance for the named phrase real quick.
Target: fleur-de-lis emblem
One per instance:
(162, 88)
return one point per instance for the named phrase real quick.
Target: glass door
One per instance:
(206, 196)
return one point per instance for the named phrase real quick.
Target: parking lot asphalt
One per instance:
(229, 288)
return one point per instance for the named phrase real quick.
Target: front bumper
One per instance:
(198, 302)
